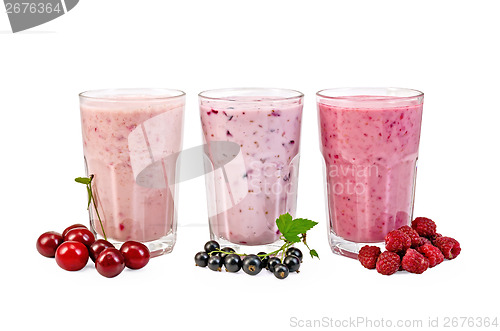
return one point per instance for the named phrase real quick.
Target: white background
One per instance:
(448, 49)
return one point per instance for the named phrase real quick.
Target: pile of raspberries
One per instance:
(414, 249)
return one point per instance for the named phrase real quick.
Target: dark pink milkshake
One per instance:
(369, 141)
(247, 195)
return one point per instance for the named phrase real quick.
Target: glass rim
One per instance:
(131, 94)
(294, 94)
(350, 92)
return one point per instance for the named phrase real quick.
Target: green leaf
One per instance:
(283, 222)
(313, 253)
(292, 237)
(301, 225)
(83, 180)
(291, 228)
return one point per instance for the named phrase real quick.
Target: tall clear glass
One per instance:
(131, 140)
(369, 139)
(247, 194)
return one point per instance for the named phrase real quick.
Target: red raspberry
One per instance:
(415, 238)
(388, 263)
(368, 256)
(434, 237)
(424, 241)
(448, 246)
(431, 253)
(396, 241)
(424, 226)
(414, 262)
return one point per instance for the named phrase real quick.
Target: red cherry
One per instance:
(48, 242)
(74, 226)
(97, 247)
(110, 262)
(72, 255)
(136, 254)
(82, 235)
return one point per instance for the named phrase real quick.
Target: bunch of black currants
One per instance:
(214, 257)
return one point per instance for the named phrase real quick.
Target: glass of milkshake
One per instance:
(369, 139)
(131, 140)
(246, 195)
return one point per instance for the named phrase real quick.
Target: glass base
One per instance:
(348, 248)
(158, 247)
(248, 249)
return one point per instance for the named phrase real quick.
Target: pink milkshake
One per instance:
(128, 136)
(369, 141)
(247, 195)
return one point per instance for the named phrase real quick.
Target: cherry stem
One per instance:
(95, 205)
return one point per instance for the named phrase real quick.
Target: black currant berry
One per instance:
(215, 263)
(211, 246)
(264, 259)
(252, 264)
(281, 271)
(296, 252)
(227, 250)
(292, 262)
(272, 262)
(201, 259)
(233, 263)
